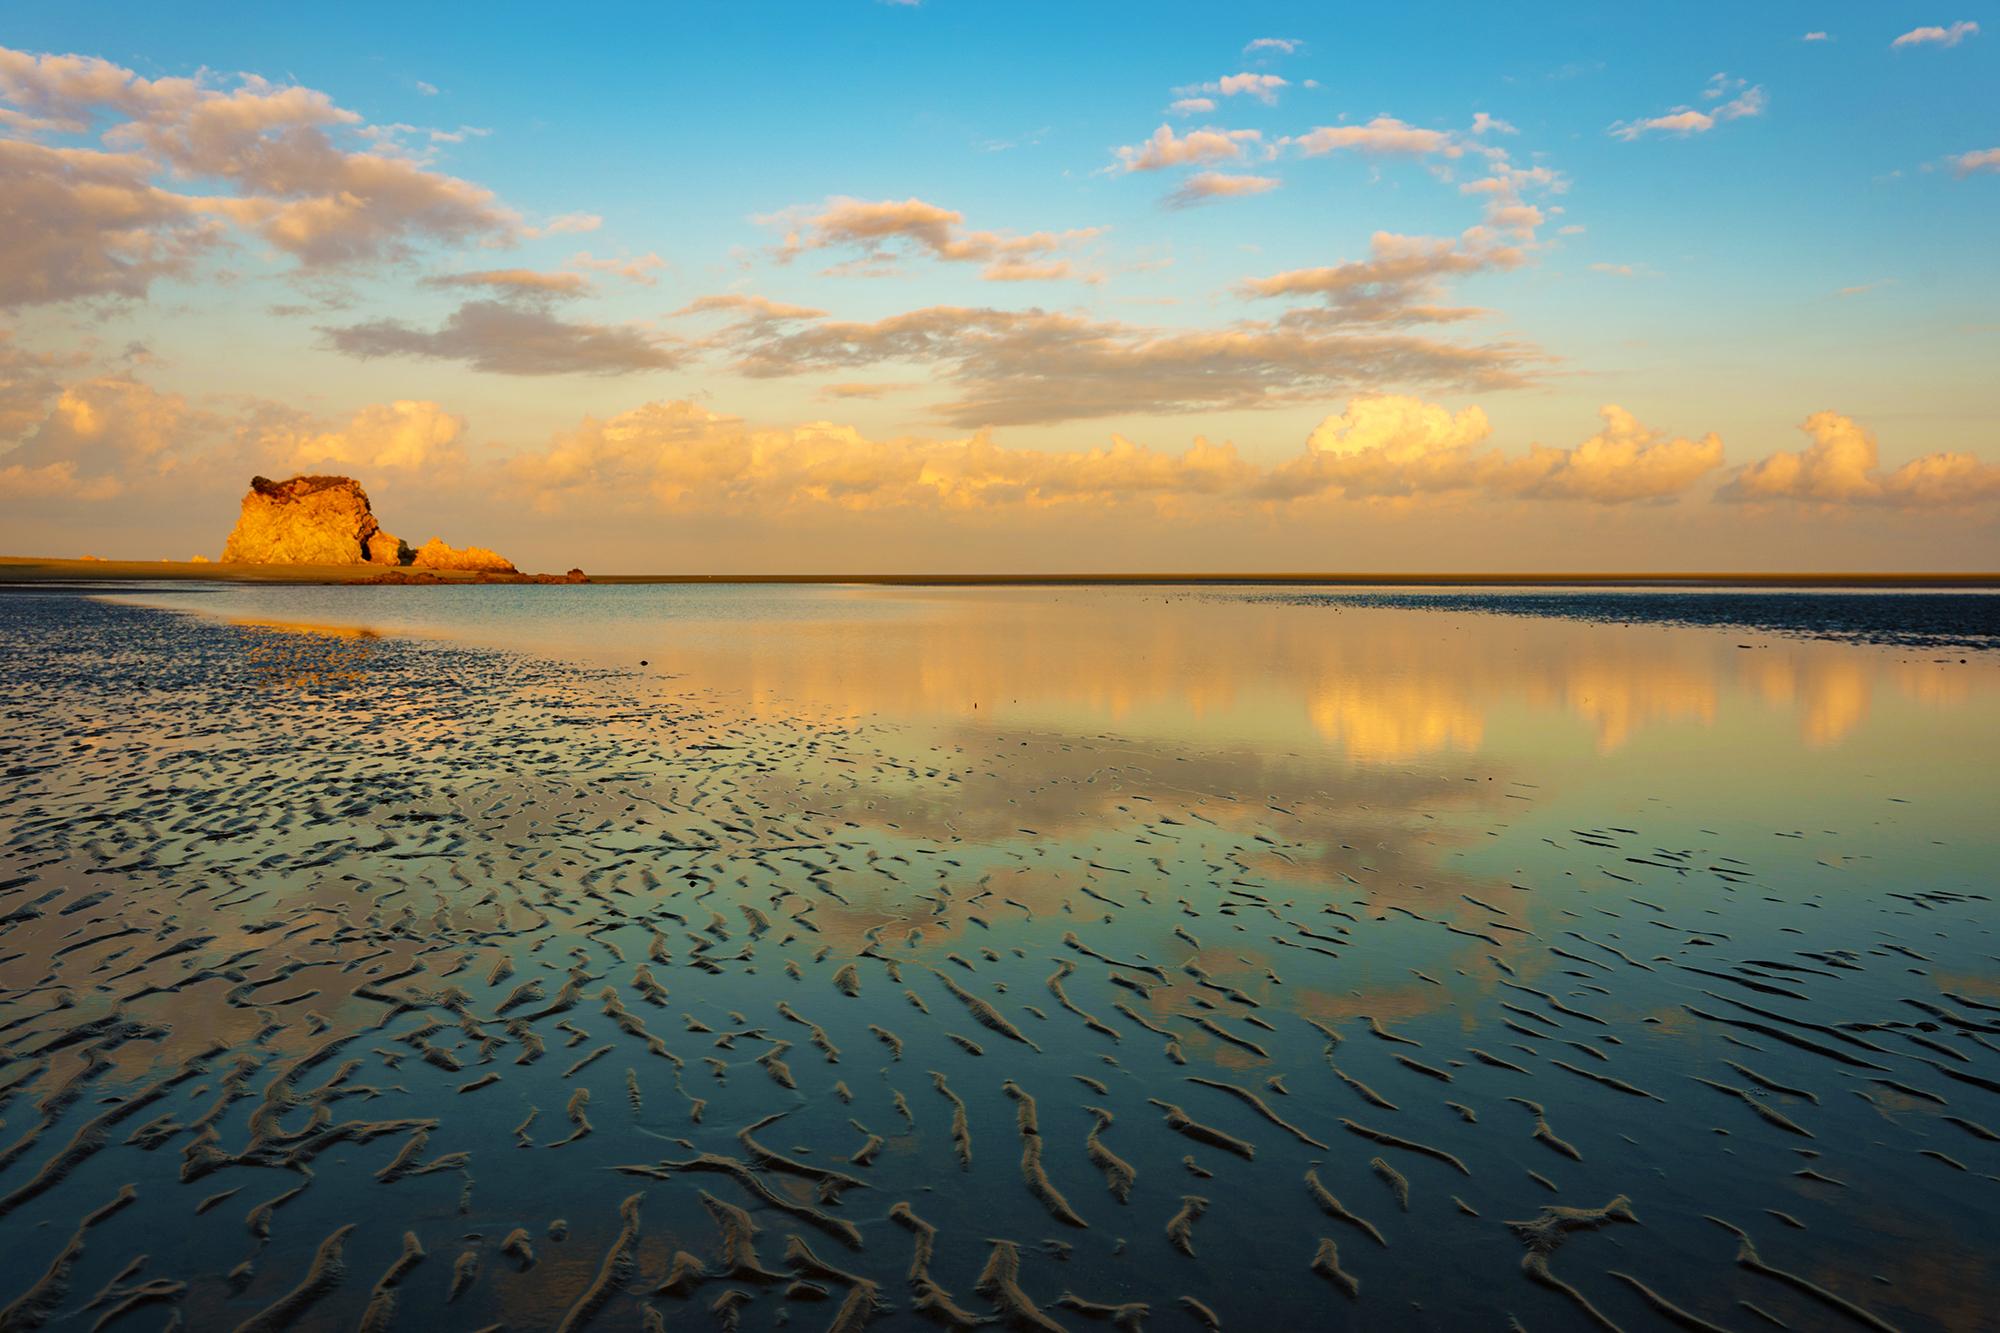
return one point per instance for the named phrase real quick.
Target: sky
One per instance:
(850, 286)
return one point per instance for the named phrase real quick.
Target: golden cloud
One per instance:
(1841, 467)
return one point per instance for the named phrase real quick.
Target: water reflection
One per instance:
(1373, 686)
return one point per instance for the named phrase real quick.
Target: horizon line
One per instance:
(36, 569)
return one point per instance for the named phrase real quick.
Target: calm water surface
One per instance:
(1689, 928)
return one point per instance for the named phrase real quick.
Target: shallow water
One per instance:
(1716, 901)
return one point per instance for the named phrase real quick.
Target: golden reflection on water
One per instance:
(1376, 686)
(1373, 686)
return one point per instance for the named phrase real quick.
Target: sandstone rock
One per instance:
(434, 554)
(384, 549)
(303, 520)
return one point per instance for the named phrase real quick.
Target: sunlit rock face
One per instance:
(307, 520)
(327, 521)
(435, 554)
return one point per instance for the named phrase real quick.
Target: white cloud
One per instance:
(1934, 36)
(1686, 120)
(1166, 149)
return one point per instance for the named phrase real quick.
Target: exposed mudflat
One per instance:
(367, 982)
(1916, 619)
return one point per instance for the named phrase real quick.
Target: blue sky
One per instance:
(1822, 244)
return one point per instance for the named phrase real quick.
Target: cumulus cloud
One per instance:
(1395, 447)
(100, 433)
(1935, 36)
(508, 338)
(1204, 186)
(1017, 367)
(685, 456)
(1189, 106)
(102, 221)
(879, 228)
(1485, 124)
(1196, 148)
(1984, 159)
(1686, 120)
(1279, 46)
(1842, 467)
(387, 437)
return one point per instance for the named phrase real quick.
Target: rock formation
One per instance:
(434, 554)
(308, 521)
(327, 521)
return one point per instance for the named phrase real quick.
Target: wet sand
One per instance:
(360, 979)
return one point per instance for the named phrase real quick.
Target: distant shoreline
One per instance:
(28, 569)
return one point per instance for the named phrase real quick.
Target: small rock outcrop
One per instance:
(435, 554)
(327, 521)
(308, 521)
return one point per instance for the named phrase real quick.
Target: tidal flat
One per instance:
(642, 956)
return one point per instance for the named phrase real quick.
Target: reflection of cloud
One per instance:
(1392, 719)
(1832, 693)
(1619, 696)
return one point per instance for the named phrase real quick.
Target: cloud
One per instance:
(641, 271)
(27, 382)
(1018, 367)
(93, 221)
(505, 338)
(1841, 467)
(522, 281)
(1283, 46)
(1263, 87)
(878, 227)
(402, 436)
(1204, 186)
(1399, 283)
(859, 390)
(1384, 136)
(1686, 120)
(567, 224)
(682, 456)
(110, 437)
(79, 223)
(1934, 36)
(1188, 106)
(1196, 148)
(1985, 159)
(1394, 447)
(1624, 462)
(99, 434)
(1485, 124)
(1815, 37)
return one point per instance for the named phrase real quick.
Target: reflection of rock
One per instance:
(303, 521)
(434, 554)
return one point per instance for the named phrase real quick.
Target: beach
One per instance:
(839, 956)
